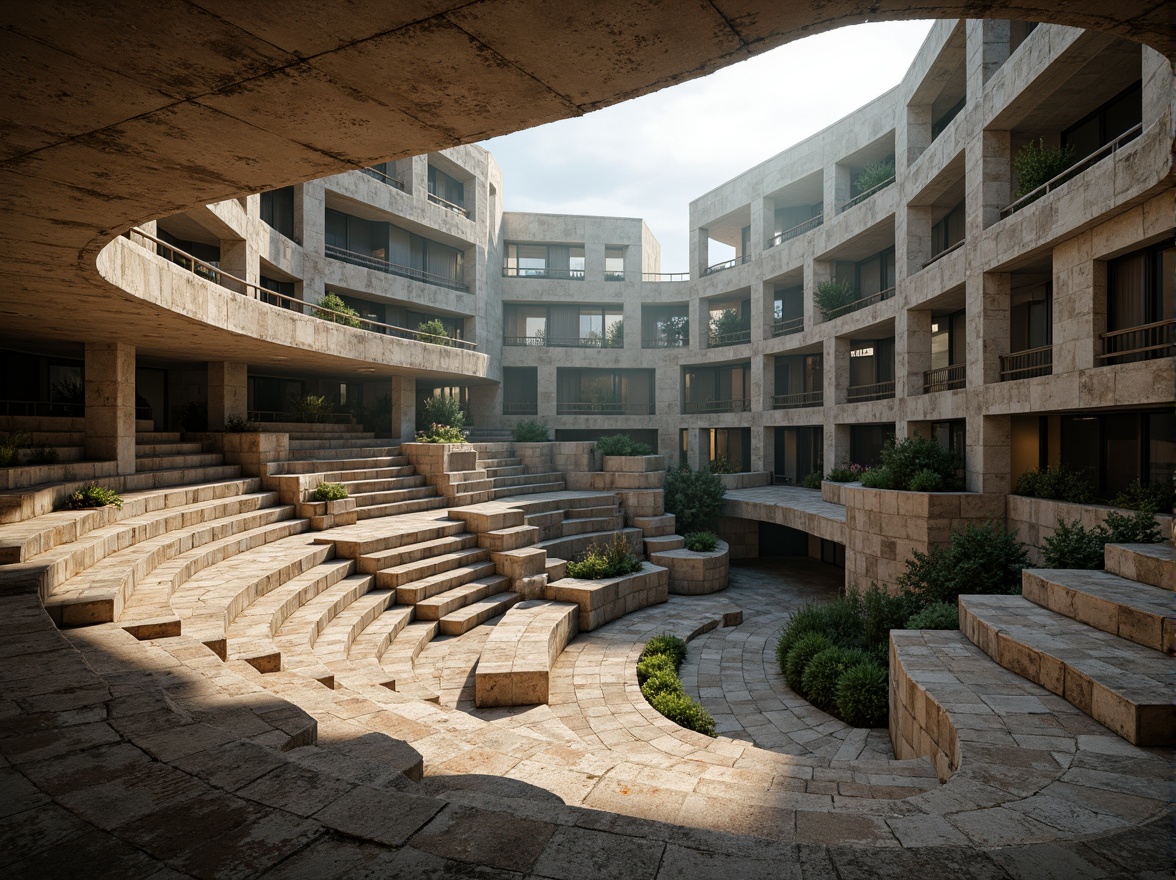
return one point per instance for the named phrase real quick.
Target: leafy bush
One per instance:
(695, 498)
(665, 645)
(530, 431)
(622, 444)
(831, 295)
(443, 410)
(863, 695)
(441, 434)
(329, 492)
(612, 560)
(684, 712)
(312, 409)
(701, 542)
(332, 308)
(937, 615)
(614, 337)
(94, 496)
(725, 323)
(904, 459)
(1155, 496)
(842, 475)
(1036, 164)
(10, 446)
(661, 681)
(812, 480)
(433, 331)
(874, 174)
(655, 663)
(41, 454)
(926, 480)
(239, 425)
(800, 655)
(1139, 528)
(721, 465)
(824, 671)
(1057, 484)
(878, 478)
(983, 558)
(1074, 546)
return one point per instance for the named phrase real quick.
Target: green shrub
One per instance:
(701, 542)
(329, 492)
(880, 612)
(10, 446)
(1073, 546)
(239, 425)
(1057, 484)
(622, 444)
(94, 496)
(311, 409)
(614, 337)
(983, 558)
(937, 615)
(433, 331)
(841, 475)
(666, 645)
(812, 480)
(695, 498)
(332, 308)
(530, 431)
(441, 434)
(824, 671)
(721, 465)
(442, 410)
(1139, 528)
(863, 695)
(800, 655)
(874, 174)
(655, 663)
(1036, 164)
(832, 295)
(878, 478)
(684, 712)
(724, 324)
(612, 560)
(41, 454)
(904, 459)
(1155, 496)
(926, 480)
(662, 681)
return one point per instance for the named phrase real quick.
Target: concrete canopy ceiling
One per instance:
(118, 113)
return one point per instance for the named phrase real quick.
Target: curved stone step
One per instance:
(169, 462)
(425, 567)
(451, 578)
(370, 563)
(334, 642)
(605, 600)
(373, 642)
(576, 545)
(401, 653)
(466, 618)
(398, 508)
(296, 638)
(442, 604)
(1153, 564)
(517, 657)
(1124, 686)
(347, 464)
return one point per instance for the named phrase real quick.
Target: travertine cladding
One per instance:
(1153, 564)
(740, 535)
(1032, 520)
(884, 526)
(694, 573)
(636, 480)
(328, 514)
(447, 466)
(604, 600)
(919, 726)
(252, 452)
(515, 665)
(746, 481)
(834, 493)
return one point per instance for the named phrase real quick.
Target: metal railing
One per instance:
(737, 405)
(375, 263)
(1141, 343)
(943, 253)
(589, 408)
(269, 416)
(41, 408)
(1028, 364)
(525, 408)
(523, 272)
(375, 174)
(448, 205)
(735, 337)
(281, 300)
(797, 230)
(1073, 171)
(861, 197)
(787, 326)
(524, 341)
(877, 391)
(614, 276)
(945, 378)
(857, 304)
(798, 399)
(719, 267)
(665, 342)
(665, 276)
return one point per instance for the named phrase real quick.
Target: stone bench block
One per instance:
(656, 526)
(516, 661)
(602, 601)
(632, 464)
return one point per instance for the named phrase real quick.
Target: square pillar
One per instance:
(989, 454)
(110, 404)
(403, 408)
(228, 392)
(987, 322)
(912, 350)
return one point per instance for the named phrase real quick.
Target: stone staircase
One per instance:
(1100, 639)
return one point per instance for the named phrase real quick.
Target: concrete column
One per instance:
(110, 403)
(914, 137)
(699, 323)
(228, 392)
(987, 50)
(837, 182)
(698, 452)
(486, 406)
(836, 361)
(915, 226)
(912, 350)
(761, 214)
(767, 439)
(403, 408)
(1079, 305)
(699, 251)
(241, 261)
(988, 178)
(988, 454)
(987, 322)
(547, 392)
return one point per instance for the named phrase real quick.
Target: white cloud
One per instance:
(651, 156)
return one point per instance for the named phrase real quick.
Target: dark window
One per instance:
(447, 188)
(1139, 287)
(286, 288)
(948, 231)
(875, 274)
(277, 210)
(944, 120)
(866, 441)
(1121, 113)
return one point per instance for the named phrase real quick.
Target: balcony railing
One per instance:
(719, 267)
(1073, 171)
(735, 337)
(943, 253)
(796, 231)
(281, 300)
(41, 408)
(737, 405)
(665, 276)
(1145, 342)
(376, 264)
(449, 206)
(591, 408)
(524, 340)
(270, 416)
(614, 276)
(861, 197)
(877, 391)
(665, 342)
(520, 408)
(787, 326)
(945, 378)
(858, 304)
(1028, 364)
(544, 272)
(798, 400)
(384, 178)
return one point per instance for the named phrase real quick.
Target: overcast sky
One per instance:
(651, 156)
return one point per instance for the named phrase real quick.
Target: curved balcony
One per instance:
(737, 405)
(376, 264)
(798, 400)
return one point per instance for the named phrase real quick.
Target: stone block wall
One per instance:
(1033, 520)
(740, 535)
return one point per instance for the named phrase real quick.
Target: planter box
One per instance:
(632, 464)
(607, 599)
(254, 451)
(328, 514)
(747, 480)
(1033, 520)
(834, 493)
(694, 573)
(439, 458)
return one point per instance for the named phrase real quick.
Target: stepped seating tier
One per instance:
(602, 601)
(1153, 564)
(516, 661)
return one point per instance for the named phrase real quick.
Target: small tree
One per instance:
(724, 324)
(444, 411)
(1036, 164)
(615, 337)
(433, 331)
(695, 498)
(874, 174)
(832, 295)
(332, 308)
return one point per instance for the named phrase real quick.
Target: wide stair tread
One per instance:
(476, 613)
(565, 500)
(296, 637)
(1122, 685)
(257, 623)
(379, 483)
(406, 573)
(399, 659)
(370, 563)
(373, 642)
(1152, 564)
(438, 606)
(427, 587)
(347, 464)
(173, 461)
(1137, 612)
(393, 496)
(336, 638)
(399, 508)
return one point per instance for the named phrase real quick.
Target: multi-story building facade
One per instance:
(1020, 330)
